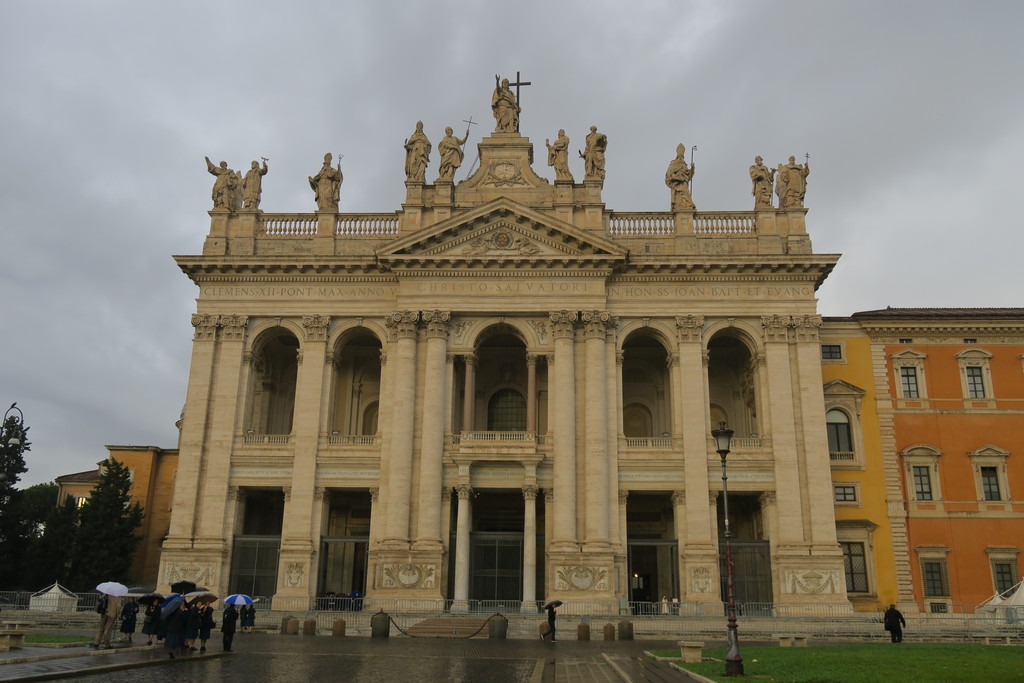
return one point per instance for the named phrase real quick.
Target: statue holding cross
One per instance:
(505, 104)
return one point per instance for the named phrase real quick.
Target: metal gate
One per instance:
(496, 566)
(752, 571)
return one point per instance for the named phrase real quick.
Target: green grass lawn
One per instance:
(869, 663)
(55, 638)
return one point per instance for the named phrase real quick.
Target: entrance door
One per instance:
(496, 568)
(653, 574)
(751, 575)
(342, 568)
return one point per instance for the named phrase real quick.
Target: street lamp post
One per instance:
(11, 437)
(733, 658)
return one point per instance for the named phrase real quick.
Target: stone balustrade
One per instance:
(367, 224)
(641, 224)
(724, 223)
(288, 224)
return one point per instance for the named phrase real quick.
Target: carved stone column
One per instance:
(469, 393)
(399, 463)
(531, 393)
(596, 324)
(463, 526)
(428, 530)
(529, 549)
(563, 427)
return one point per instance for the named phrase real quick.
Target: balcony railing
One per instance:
(842, 456)
(642, 224)
(648, 441)
(493, 436)
(269, 439)
(352, 439)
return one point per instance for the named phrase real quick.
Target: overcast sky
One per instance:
(912, 113)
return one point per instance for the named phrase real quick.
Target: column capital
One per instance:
(446, 493)
(529, 493)
(319, 492)
(689, 327)
(464, 491)
(287, 490)
(374, 494)
(532, 358)
(679, 498)
(437, 323)
(807, 327)
(403, 323)
(623, 497)
(775, 328)
(315, 327)
(549, 496)
(233, 326)
(596, 324)
(562, 324)
(767, 499)
(206, 327)
(232, 493)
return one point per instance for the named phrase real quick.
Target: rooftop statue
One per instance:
(505, 107)
(558, 156)
(762, 177)
(224, 187)
(326, 184)
(791, 183)
(417, 155)
(678, 177)
(252, 186)
(593, 155)
(450, 149)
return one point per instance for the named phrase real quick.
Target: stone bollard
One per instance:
(309, 627)
(338, 629)
(380, 625)
(497, 627)
(583, 632)
(609, 631)
(293, 627)
(284, 624)
(625, 630)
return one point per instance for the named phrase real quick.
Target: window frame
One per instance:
(990, 456)
(939, 556)
(855, 488)
(922, 455)
(862, 532)
(909, 358)
(978, 360)
(1003, 555)
(846, 398)
(831, 343)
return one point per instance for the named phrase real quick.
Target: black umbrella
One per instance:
(553, 604)
(150, 599)
(183, 587)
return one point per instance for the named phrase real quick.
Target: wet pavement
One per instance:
(268, 657)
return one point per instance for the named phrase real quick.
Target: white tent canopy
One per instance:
(55, 598)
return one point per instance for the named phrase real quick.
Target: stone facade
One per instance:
(505, 391)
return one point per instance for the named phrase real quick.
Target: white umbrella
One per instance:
(112, 588)
(238, 599)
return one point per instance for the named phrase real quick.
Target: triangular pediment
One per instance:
(502, 231)
(838, 387)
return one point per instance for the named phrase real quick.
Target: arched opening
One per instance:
(646, 399)
(356, 385)
(506, 411)
(840, 441)
(500, 397)
(275, 369)
(732, 385)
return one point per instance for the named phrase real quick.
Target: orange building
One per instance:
(953, 423)
(152, 470)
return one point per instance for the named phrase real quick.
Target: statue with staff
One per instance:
(762, 177)
(678, 177)
(224, 186)
(326, 184)
(505, 107)
(791, 182)
(450, 150)
(558, 156)
(417, 155)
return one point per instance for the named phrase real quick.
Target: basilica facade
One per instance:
(504, 392)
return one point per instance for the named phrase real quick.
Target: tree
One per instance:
(37, 502)
(48, 555)
(13, 528)
(106, 538)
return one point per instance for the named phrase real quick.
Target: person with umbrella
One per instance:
(151, 615)
(248, 614)
(550, 607)
(109, 609)
(174, 614)
(206, 624)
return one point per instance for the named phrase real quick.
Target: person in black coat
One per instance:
(206, 624)
(174, 626)
(151, 621)
(894, 623)
(227, 626)
(551, 623)
(129, 618)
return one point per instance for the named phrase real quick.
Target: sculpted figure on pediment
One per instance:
(224, 187)
(252, 186)
(326, 184)
(450, 149)
(791, 183)
(678, 177)
(593, 155)
(762, 177)
(558, 156)
(417, 155)
(504, 107)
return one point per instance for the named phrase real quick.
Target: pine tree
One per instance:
(106, 538)
(13, 528)
(48, 555)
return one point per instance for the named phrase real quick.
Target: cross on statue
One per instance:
(516, 85)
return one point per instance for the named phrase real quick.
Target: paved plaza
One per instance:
(266, 657)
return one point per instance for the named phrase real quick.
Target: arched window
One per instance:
(506, 411)
(838, 426)
(636, 421)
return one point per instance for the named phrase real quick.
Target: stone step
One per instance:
(449, 627)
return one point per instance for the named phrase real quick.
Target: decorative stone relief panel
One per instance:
(812, 581)
(581, 578)
(294, 574)
(700, 580)
(408, 575)
(204, 573)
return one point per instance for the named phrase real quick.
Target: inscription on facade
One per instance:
(498, 287)
(279, 291)
(711, 292)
